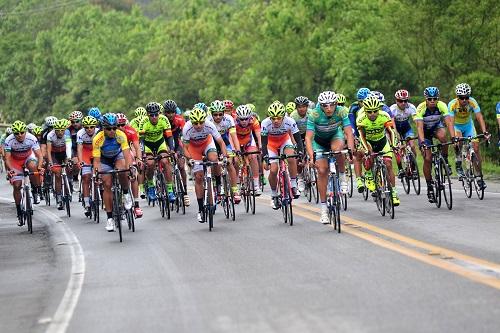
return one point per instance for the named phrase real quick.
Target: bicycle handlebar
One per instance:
(114, 171)
(250, 153)
(284, 157)
(330, 153)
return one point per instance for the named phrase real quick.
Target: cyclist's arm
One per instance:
(222, 145)
(264, 145)
(349, 136)
(8, 159)
(79, 152)
(259, 138)
(449, 124)
(480, 120)
(39, 156)
(69, 145)
(298, 141)
(49, 152)
(308, 140)
(234, 137)
(362, 138)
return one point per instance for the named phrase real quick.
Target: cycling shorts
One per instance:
(197, 153)
(108, 163)
(381, 145)
(275, 151)
(429, 133)
(19, 165)
(321, 145)
(249, 146)
(467, 130)
(154, 148)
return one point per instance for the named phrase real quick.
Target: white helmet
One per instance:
(463, 89)
(377, 94)
(8, 130)
(50, 121)
(243, 111)
(31, 126)
(327, 97)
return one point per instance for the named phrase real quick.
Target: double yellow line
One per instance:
(472, 268)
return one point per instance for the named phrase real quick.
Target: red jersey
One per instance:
(177, 123)
(130, 132)
(245, 133)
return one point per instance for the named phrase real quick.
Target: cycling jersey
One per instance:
(463, 115)
(388, 110)
(374, 130)
(109, 148)
(281, 133)
(21, 150)
(130, 133)
(301, 121)
(225, 127)
(431, 118)
(402, 119)
(245, 133)
(154, 133)
(353, 115)
(2, 139)
(82, 138)
(73, 133)
(45, 132)
(136, 123)
(177, 124)
(60, 145)
(327, 129)
(202, 137)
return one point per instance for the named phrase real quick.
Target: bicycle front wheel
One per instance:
(446, 183)
(477, 176)
(415, 174)
(29, 211)
(117, 216)
(379, 190)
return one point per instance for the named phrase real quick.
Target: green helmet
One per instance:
(217, 106)
(372, 103)
(290, 107)
(18, 126)
(37, 130)
(197, 115)
(89, 121)
(61, 124)
(251, 107)
(276, 109)
(140, 111)
(341, 99)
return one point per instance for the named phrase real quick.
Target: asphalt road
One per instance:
(429, 270)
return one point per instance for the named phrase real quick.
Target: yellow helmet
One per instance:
(290, 107)
(61, 124)
(18, 126)
(276, 109)
(341, 99)
(197, 115)
(372, 104)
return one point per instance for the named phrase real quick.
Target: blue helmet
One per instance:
(431, 92)
(95, 112)
(202, 106)
(362, 93)
(109, 119)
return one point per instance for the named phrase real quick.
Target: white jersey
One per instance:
(199, 138)
(403, 115)
(288, 125)
(82, 138)
(60, 145)
(21, 150)
(224, 126)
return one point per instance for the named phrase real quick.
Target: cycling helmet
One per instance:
(312, 105)
(61, 124)
(276, 109)
(228, 104)
(327, 97)
(162, 109)
(431, 92)
(341, 99)
(50, 121)
(217, 106)
(402, 94)
(140, 111)
(251, 107)
(243, 111)
(290, 107)
(153, 107)
(8, 130)
(362, 93)
(18, 126)
(186, 114)
(170, 106)
(75, 115)
(121, 119)
(202, 106)
(197, 115)
(37, 130)
(301, 100)
(109, 119)
(95, 112)
(89, 121)
(372, 103)
(463, 89)
(31, 127)
(377, 94)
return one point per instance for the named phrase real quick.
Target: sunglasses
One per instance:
(19, 133)
(325, 105)
(431, 99)
(371, 111)
(198, 122)
(463, 98)
(219, 114)
(110, 128)
(154, 115)
(89, 127)
(402, 100)
(75, 121)
(276, 118)
(244, 119)
(340, 104)
(121, 125)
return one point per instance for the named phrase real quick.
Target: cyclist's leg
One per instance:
(460, 131)
(338, 144)
(440, 134)
(273, 172)
(16, 182)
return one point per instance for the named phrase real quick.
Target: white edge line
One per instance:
(65, 309)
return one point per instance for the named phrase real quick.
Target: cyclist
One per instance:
(252, 108)
(109, 152)
(255, 122)
(75, 118)
(290, 107)
(30, 127)
(96, 113)
(59, 152)
(22, 151)
(299, 114)
(461, 109)
(177, 123)
(49, 123)
(37, 132)
(327, 126)
(135, 156)
(355, 107)
(84, 154)
(403, 112)
(225, 125)
(373, 126)
(341, 100)
(276, 132)
(198, 137)
(155, 130)
(140, 116)
(229, 108)
(429, 119)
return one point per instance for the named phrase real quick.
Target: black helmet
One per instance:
(153, 107)
(170, 105)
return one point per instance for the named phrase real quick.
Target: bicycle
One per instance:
(66, 192)
(409, 167)
(383, 187)
(335, 197)
(226, 194)
(440, 175)
(310, 176)
(209, 203)
(247, 183)
(349, 174)
(471, 168)
(160, 187)
(118, 208)
(47, 186)
(179, 187)
(284, 187)
(95, 198)
(26, 202)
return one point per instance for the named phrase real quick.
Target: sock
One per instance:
(109, 215)
(323, 206)
(274, 193)
(200, 204)
(293, 182)
(18, 208)
(136, 204)
(170, 187)
(86, 200)
(256, 182)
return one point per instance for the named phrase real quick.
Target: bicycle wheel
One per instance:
(446, 183)
(389, 201)
(290, 212)
(314, 185)
(179, 192)
(117, 216)
(415, 174)
(66, 196)
(29, 211)
(350, 181)
(365, 191)
(379, 190)
(476, 177)
(467, 178)
(160, 193)
(251, 190)
(437, 183)
(225, 197)
(209, 207)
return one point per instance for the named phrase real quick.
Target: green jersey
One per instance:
(326, 127)
(154, 133)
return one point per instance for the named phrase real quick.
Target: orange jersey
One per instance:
(245, 133)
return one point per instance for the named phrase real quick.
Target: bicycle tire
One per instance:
(389, 205)
(475, 166)
(66, 196)
(160, 193)
(29, 212)
(290, 213)
(209, 208)
(337, 202)
(232, 213)
(415, 179)
(437, 184)
(314, 185)
(350, 182)
(446, 184)
(117, 216)
(251, 189)
(379, 189)
(365, 191)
